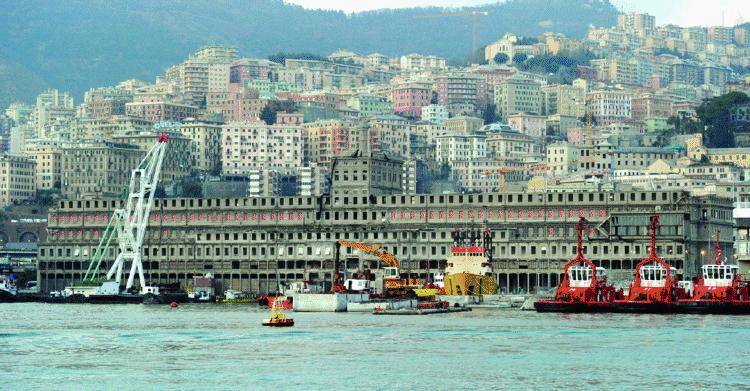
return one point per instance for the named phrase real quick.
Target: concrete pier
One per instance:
(334, 302)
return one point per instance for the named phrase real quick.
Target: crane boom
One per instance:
(377, 251)
(129, 224)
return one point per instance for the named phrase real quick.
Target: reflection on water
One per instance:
(224, 346)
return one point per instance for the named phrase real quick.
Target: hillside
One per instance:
(77, 44)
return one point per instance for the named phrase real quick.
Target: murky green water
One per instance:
(45, 346)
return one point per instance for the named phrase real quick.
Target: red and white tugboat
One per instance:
(655, 287)
(718, 289)
(278, 319)
(584, 287)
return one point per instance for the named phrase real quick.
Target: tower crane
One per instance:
(474, 19)
(503, 171)
(129, 224)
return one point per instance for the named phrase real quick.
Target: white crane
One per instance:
(129, 224)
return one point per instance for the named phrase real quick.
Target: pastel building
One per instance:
(410, 97)
(248, 146)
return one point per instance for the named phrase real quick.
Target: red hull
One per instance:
(572, 307)
(714, 307)
(635, 307)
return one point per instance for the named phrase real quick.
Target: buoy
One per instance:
(174, 304)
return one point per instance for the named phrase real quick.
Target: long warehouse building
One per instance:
(257, 243)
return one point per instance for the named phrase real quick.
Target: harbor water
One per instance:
(46, 346)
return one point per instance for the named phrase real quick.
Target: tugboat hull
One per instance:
(644, 307)
(714, 307)
(567, 307)
(115, 299)
(166, 298)
(7, 297)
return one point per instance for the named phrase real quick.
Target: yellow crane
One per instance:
(474, 18)
(503, 171)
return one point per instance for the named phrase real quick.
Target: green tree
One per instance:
(500, 58)
(268, 115)
(527, 41)
(490, 114)
(584, 120)
(281, 57)
(715, 116)
(191, 188)
(684, 124)
(44, 198)
(159, 192)
(519, 58)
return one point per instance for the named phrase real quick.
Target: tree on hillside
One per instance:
(191, 188)
(490, 114)
(268, 113)
(281, 57)
(684, 124)
(500, 58)
(715, 116)
(562, 67)
(584, 120)
(527, 41)
(519, 58)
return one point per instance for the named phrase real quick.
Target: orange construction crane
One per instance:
(377, 251)
(391, 274)
(474, 16)
(503, 171)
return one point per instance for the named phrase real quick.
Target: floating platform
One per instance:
(424, 311)
(370, 306)
(116, 299)
(327, 302)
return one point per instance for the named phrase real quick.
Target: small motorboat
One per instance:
(278, 318)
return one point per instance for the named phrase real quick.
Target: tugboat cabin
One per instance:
(579, 276)
(655, 275)
(719, 275)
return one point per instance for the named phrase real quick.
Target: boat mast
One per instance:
(717, 250)
(654, 226)
(582, 223)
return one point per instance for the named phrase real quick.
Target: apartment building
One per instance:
(206, 142)
(249, 146)
(97, 169)
(610, 106)
(17, 179)
(517, 95)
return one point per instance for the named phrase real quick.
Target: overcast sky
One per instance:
(681, 12)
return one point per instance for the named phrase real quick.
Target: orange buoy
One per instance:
(173, 304)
